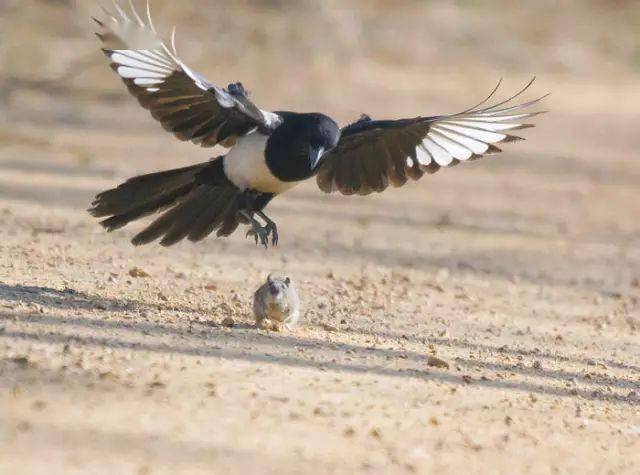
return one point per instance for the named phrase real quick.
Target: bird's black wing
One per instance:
(372, 154)
(183, 101)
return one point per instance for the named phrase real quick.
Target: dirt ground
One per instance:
(521, 272)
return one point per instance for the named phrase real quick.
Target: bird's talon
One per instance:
(273, 231)
(260, 234)
(253, 234)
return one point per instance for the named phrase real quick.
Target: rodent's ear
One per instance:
(269, 278)
(287, 281)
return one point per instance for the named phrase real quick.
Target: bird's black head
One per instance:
(324, 135)
(295, 149)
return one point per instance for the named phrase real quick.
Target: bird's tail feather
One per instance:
(197, 200)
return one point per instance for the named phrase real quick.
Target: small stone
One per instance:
(321, 411)
(537, 365)
(376, 433)
(328, 327)
(229, 322)
(138, 273)
(21, 361)
(349, 432)
(467, 379)
(437, 362)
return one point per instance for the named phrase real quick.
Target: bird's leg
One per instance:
(270, 227)
(257, 230)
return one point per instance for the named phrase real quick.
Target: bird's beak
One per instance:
(315, 154)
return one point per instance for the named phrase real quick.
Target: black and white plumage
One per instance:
(270, 152)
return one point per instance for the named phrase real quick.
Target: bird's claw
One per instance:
(259, 233)
(273, 231)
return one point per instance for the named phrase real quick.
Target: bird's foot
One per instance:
(271, 227)
(259, 233)
(272, 230)
(262, 233)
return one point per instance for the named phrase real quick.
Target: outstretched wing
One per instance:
(183, 101)
(373, 153)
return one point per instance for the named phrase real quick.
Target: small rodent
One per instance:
(276, 303)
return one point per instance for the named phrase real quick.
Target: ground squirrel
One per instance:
(276, 302)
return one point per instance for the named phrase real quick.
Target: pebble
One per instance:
(328, 327)
(228, 322)
(138, 273)
(349, 432)
(21, 361)
(437, 362)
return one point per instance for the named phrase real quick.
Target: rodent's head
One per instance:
(278, 286)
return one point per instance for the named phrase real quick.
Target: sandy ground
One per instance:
(521, 272)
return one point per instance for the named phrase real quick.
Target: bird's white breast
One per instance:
(246, 167)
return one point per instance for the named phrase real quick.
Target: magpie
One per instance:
(269, 152)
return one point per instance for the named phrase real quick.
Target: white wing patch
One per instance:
(148, 69)
(146, 57)
(271, 118)
(472, 133)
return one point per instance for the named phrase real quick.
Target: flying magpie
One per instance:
(269, 152)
